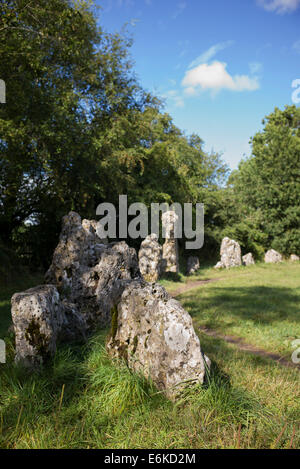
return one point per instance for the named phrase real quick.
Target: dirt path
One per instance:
(191, 285)
(241, 345)
(237, 341)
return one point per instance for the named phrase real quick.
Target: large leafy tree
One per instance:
(67, 81)
(77, 129)
(267, 185)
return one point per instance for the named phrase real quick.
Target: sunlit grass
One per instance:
(83, 399)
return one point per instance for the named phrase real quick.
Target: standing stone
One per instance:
(230, 254)
(155, 335)
(37, 318)
(248, 259)
(90, 275)
(150, 258)
(272, 257)
(219, 265)
(193, 264)
(294, 258)
(170, 252)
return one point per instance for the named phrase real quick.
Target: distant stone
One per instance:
(155, 335)
(248, 259)
(150, 258)
(272, 257)
(230, 254)
(193, 264)
(170, 252)
(294, 258)
(37, 318)
(219, 265)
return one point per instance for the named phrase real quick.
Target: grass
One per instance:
(85, 400)
(259, 303)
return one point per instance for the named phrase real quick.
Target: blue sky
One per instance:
(220, 65)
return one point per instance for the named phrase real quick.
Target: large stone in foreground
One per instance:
(89, 274)
(272, 257)
(230, 252)
(150, 258)
(155, 335)
(37, 319)
(248, 259)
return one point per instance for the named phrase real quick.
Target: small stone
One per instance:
(294, 258)
(193, 264)
(248, 259)
(272, 257)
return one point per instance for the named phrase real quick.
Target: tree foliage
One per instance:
(77, 128)
(266, 187)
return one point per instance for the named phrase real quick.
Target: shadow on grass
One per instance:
(259, 304)
(172, 277)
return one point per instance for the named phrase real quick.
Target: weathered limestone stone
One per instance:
(294, 258)
(155, 335)
(230, 254)
(89, 275)
(272, 256)
(248, 259)
(37, 318)
(150, 258)
(219, 265)
(193, 264)
(170, 252)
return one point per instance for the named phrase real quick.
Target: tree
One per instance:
(267, 185)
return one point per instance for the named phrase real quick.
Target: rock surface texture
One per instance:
(230, 254)
(85, 281)
(193, 264)
(37, 318)
(170, 252)
(248, 259)
(150, 258)
(155, 335)
(93, 283)
(294, 258)
(272, 257)
(90, 275)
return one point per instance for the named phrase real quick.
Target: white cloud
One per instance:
(255, 68)
(279, 6)
(215, 77)
(296, 46)
(210, 53)
(181, 6)
(174, 97)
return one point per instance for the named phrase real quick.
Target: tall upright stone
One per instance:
(88, 273)
(37, 318)
(230, 254)
(170, 252)
(150, 258)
